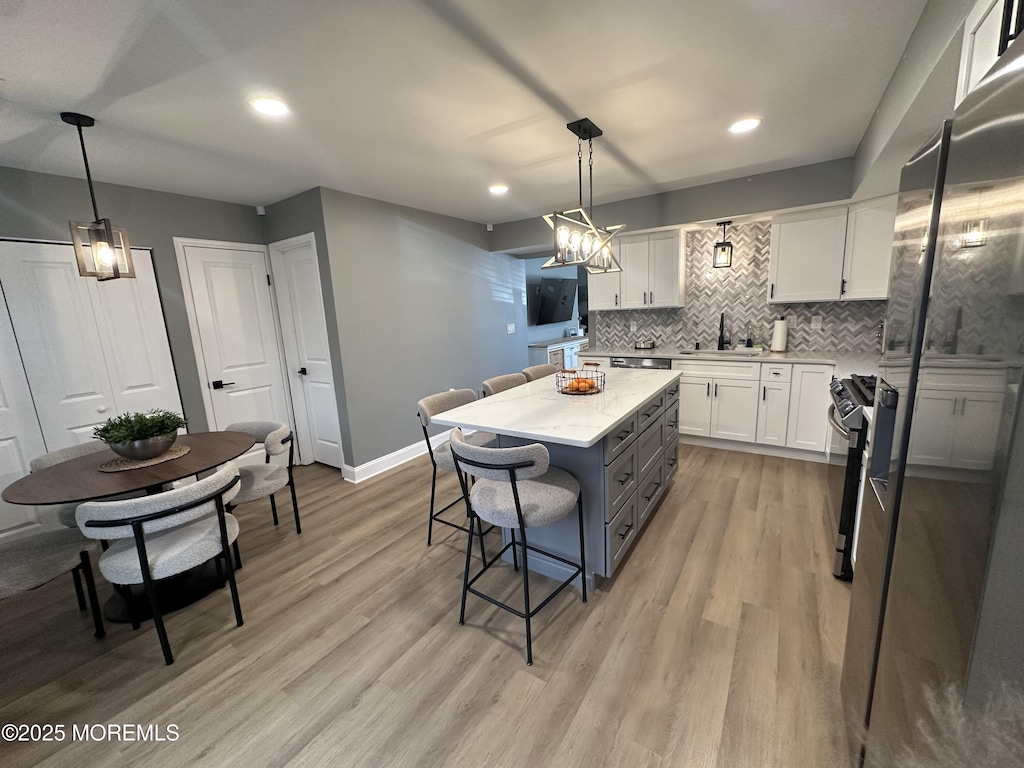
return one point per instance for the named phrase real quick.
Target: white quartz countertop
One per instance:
(557, 342)
(847, 363)
(538, 411)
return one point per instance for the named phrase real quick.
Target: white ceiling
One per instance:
(426, 103)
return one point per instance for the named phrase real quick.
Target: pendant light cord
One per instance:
(590, 142)
(579, 163)
(88, 175)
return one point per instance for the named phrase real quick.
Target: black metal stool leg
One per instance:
(526, 601)
(273, 508)
(78, 586)
(94, 600)
(295, 506)
(515, 551)
(465, 575)
(238, 555)
(480, 525)
(433, 492)
(583, 557)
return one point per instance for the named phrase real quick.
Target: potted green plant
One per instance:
(141, 436)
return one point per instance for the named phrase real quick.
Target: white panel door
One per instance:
(21, 439)
(809, 400)
(53, 318)
(237, 334)
(603, 289)
(806, 258)
(933, 428)
(130, 321)
(307, 352)
(977, 430)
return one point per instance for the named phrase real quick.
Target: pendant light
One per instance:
(723, 250)
(577, 240)
(102, 249)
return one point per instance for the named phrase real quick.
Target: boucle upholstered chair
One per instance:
(516, 488)
(165, 534)
(31, 561)
(498, 384)
(65, 512)
(441, 456)
(535, 372)
(260, 481)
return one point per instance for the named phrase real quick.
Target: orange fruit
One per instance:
(574, 386)
(583, 384)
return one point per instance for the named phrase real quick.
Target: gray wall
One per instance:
(791, 188)
(38, 206)
(419, 305)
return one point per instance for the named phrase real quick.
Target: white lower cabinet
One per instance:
(718, 399)
(734, 410)
(955, 429)
(695, 406)
(773, 413)
(809, 400)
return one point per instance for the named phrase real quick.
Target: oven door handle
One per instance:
(837, 425)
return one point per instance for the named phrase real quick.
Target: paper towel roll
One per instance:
(779, 334)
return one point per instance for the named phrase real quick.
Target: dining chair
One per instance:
(498, 384)
(258, 481)
(441, 456)
(65, 513)
(516, 488)
(32, 561)
(164, 534)
(535, 372)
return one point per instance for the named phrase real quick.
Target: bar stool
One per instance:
(535, 372)
(516, 488)
(498, 384)
(441, 456)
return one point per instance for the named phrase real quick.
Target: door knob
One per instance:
(302, 371)
(101, 409)
(218, 384)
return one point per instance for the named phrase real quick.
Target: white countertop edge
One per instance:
(537, 411)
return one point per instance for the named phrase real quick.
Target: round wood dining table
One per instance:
(80, 479)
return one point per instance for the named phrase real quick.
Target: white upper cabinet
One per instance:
(833, 254)
(981, 45)
(806, 261)
(869, 234)
(652, 271)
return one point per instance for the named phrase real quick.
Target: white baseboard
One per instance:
(763, 450)
(390, 461)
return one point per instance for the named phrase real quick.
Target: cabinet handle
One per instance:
(625, 532)
(653, 491)
(716, 389)
(963, 406)
(623, 434)
(625, 478)
(772, 295)
(842, 288)
(709, 389)
(652, 297)
(672, 461)
(956, 404)
(616, 299)
(764, 394)
(645, 297)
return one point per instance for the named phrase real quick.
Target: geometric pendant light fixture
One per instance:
(723, 250)
(578, 241)
(102, 249)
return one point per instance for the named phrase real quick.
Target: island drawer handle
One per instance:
(656, 487)
(624, 434)
(625, 532)
(625, 478)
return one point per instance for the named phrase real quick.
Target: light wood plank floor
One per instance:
(718, 644)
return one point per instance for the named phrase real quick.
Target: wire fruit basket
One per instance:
(589, 381)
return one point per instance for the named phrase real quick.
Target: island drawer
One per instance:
(650, 411)
(620, 439)
(621, 477)
(671, 457)
(619, 535)
(672, 392)
(650, 445)
(649, 493)
(671, 420)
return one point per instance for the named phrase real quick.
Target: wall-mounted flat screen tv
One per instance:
(556, 301)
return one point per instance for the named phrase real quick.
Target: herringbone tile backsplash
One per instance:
(741, 292)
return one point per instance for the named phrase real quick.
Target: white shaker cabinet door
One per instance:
(666, 270)
(603, 291)
(734, 409)
(773, 413)
(635, 275)
(809, 400)
(869, 239)
(806, 258)
(977, 430)
(695, 406)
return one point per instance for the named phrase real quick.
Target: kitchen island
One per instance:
(621, 445)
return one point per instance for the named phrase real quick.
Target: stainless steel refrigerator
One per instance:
(939, 595)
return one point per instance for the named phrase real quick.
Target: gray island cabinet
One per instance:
(621, 444)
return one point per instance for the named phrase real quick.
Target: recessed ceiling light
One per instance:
(271, 107)
(743, 126)
(498, 189)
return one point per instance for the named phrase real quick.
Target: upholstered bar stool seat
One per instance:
(443, 453)
(535, 372)
(517, 488)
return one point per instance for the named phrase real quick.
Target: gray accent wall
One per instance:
(38, 206)
(740, 292)
(420, 306)
(791, 188)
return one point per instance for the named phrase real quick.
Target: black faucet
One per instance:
(721, 332)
